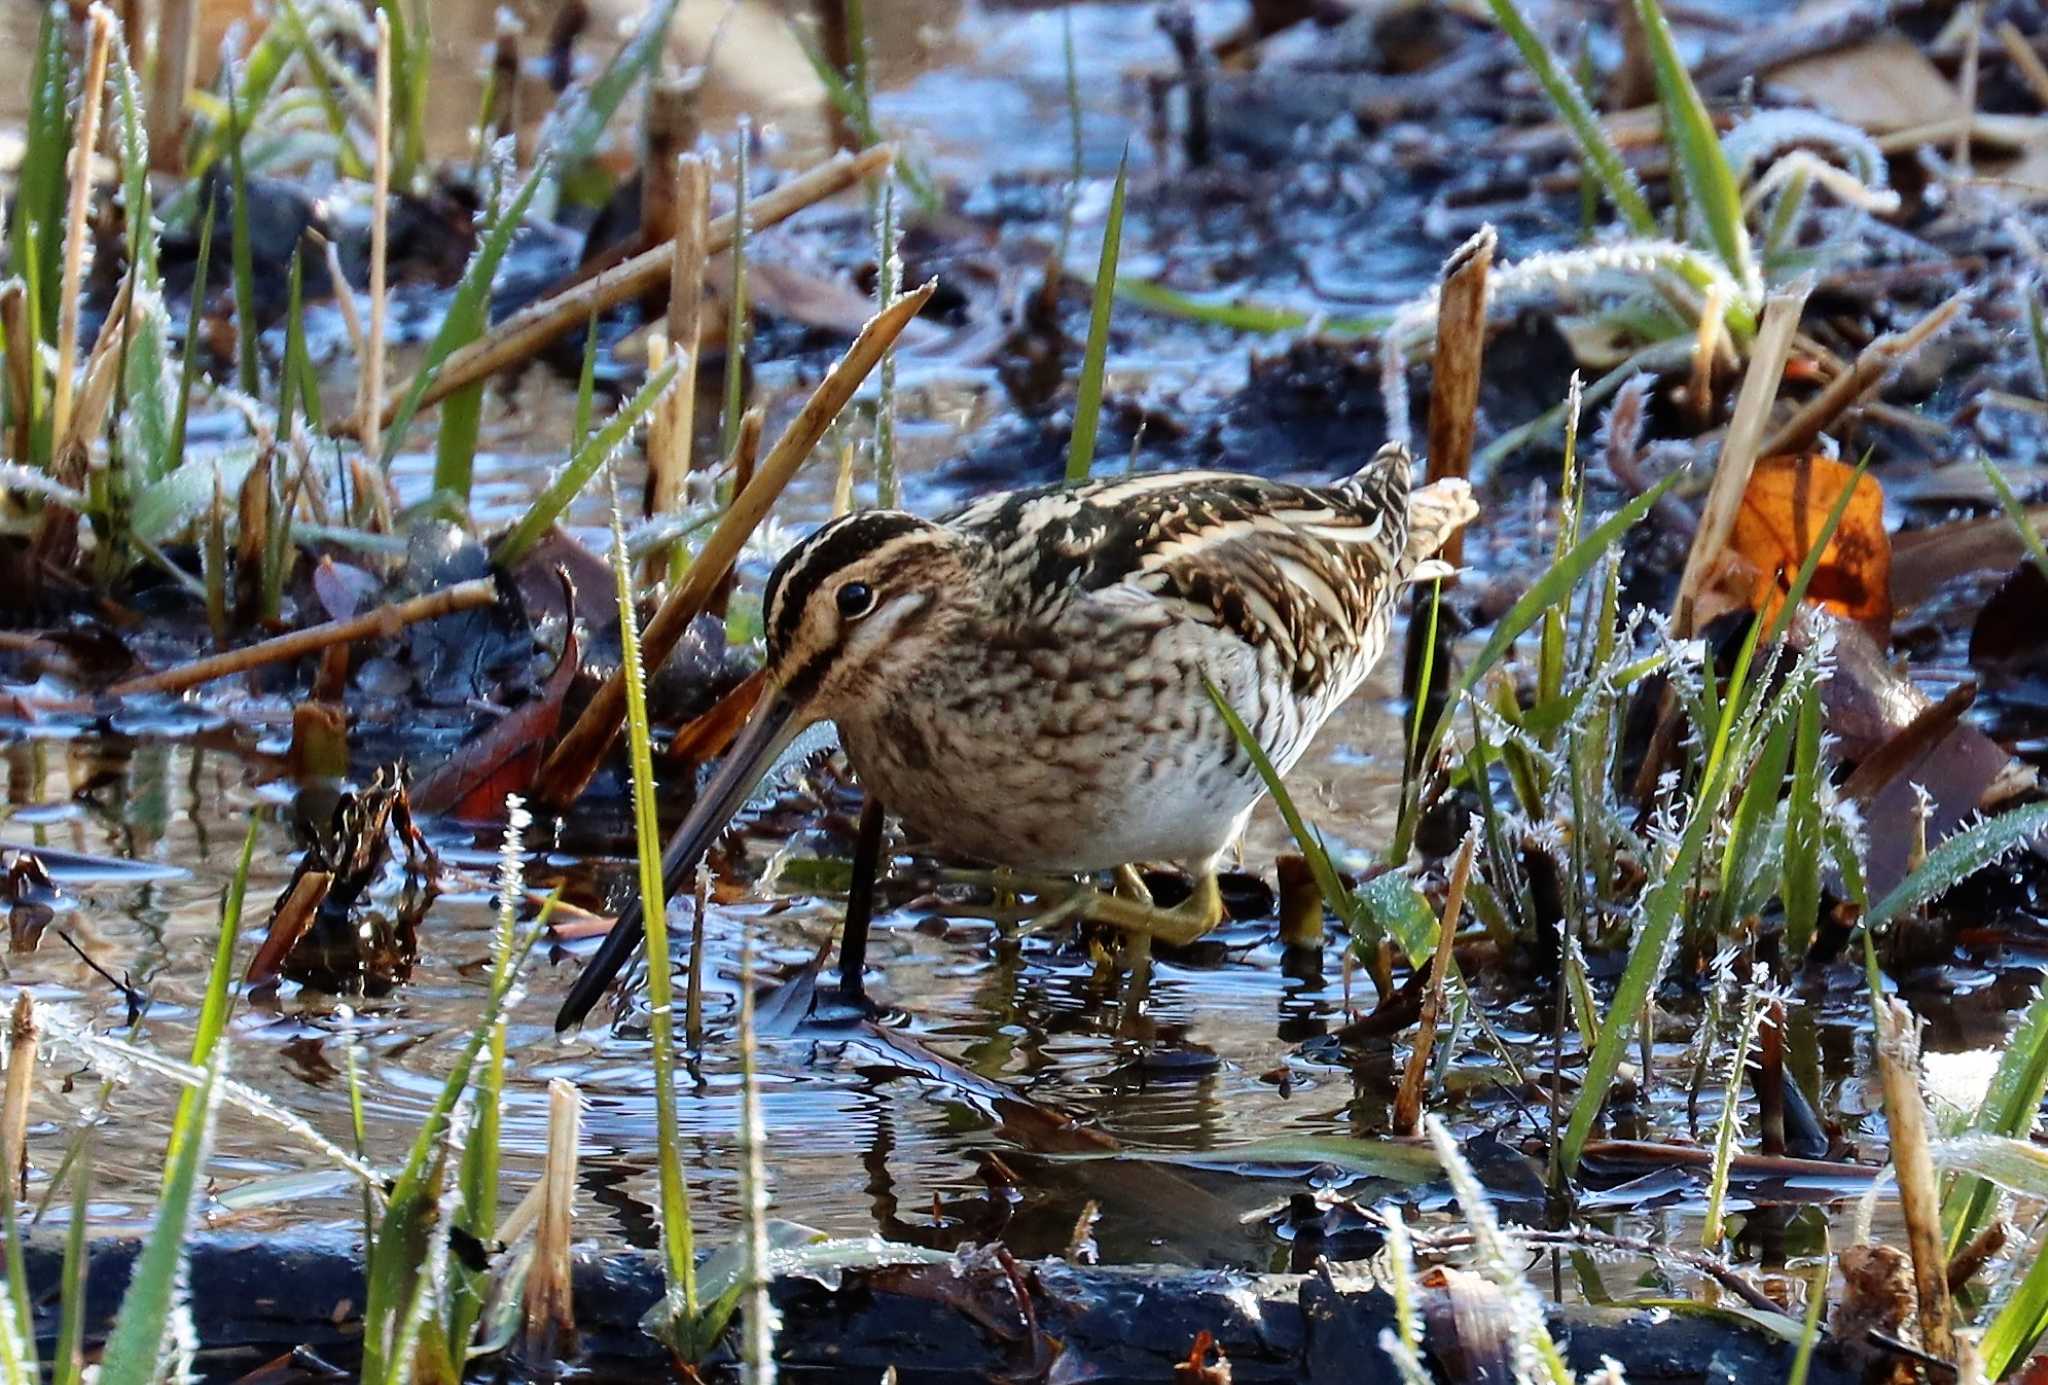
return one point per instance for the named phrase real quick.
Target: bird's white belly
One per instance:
(1075, 770)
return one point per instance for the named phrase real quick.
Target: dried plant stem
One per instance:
(1739, 449)
(518, 337)
(667, 466)
(1898, 1056)
(177, 41)
(21, 1076)
(1408, 1100)
(1454, 373)
(575, 758)
(1973, 45)
(549, 1312)
(2023, 56)
(99, 40)
(1870, 367)
(381, 623)
(370, 377)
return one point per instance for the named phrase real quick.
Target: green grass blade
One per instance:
(242, 255)
(68, 1366)
(1648, 953)
(2013, 1333)
(145, 370)
(1088, 396)
(1960, 855)
(135, 1346)
(1555, 585)
(1326, 877)
(1709, 180)
(220, 996)
(2017, 513)
(677, 1241)
(1800, 893)
(740, 316)
(1570, 103)
(586, 385)
(594, 452)
(2008, 1109)
(468, 309)
(582, 124)
(37, 224)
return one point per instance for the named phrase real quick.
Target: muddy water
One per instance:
(1214, 1056)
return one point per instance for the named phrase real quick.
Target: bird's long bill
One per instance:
(766, 735)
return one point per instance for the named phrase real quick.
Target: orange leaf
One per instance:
(1784, 510)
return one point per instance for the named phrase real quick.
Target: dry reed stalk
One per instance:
(1973, 47)
(1706, 345)
(1869, 368)
(99, 42)
(20, 383)
(102, 373)
(1408, 1100)
(381, 623)
(1898, 1056)
(345, 295)
(1454, 372)
(370, 373)
(177, 44)
(575, 758)
(519, 336)
(2032, 71)
(1739, 448)
(21, 1076)
(746, 453)
(671, 131)
(691, 183)
(549, 1318)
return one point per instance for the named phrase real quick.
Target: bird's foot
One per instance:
(1134, 912)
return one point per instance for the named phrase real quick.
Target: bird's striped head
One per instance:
(858, 605)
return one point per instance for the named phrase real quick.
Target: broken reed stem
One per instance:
(667, 468)
(21, 1076)
(746, 454)
(370, 373)
(519, 336)
(1408, 1100)
(170, 82)
(575, 758)
(381, 623)
(1870, 367)
(1454, 373)
(1739, 449)
(1898, 1057)
(671, 131)
(99, 39)
(549, 1319)
(2023, 56)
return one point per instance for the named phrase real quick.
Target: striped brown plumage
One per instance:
(1025, 682)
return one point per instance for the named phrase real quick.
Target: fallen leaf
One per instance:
(1783, 510)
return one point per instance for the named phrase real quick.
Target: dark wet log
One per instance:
(255, 1298)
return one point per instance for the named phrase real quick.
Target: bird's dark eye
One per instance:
(856, 599)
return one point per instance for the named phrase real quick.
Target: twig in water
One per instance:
(1871, 366)
(100, 39)
(519, 336)
(1408, 1100)
(381, 623)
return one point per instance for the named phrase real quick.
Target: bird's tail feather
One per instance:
(1436, 512)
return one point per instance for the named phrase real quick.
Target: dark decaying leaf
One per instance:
(474, 781)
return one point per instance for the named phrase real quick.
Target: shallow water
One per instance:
(859, 1140)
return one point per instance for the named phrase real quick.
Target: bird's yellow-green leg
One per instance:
(1179, 926)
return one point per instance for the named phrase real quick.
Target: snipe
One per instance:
(1026, 681)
